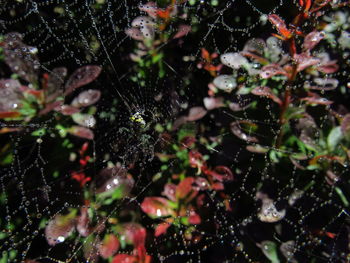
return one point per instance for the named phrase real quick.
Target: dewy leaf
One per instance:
(287, 250)
(114, 182)
(67, 109)
(222, 173)
(146, 26)
(345, 125)
(10, 95)
(83, 222)
(305, 60)
(86, 120)
(211, 103)
(269, 213)
(314, 98)
(59, 228)
(269, 248)
(312, 39)
(133, 233)
(184, 188)
(237, 130)
(196, 113)
(280, 25)
(150, 8)
(81, 77)
(81, 132)
(169, 191)
(22, 59)
(142, 21)
(182, 31)
(328, 67)
(225, 82)
(271, 70)
(334, 138)
(86, 98)
(266, 92)
(255, 45)
(233, 60)
(109, 246)
(156, 207)
(125, 258)
(323, 84)
(308, 130)
(55, 83)
(161, 228)
(134, 33)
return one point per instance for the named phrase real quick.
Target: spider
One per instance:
(137, 139)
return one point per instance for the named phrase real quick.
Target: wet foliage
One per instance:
(183, 141)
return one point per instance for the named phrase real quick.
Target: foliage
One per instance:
(276, 100)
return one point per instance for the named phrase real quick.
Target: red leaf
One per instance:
(196, 113)
(205, 55)
(169, 191)
(135, 33)
(312, 39)
(201, 183)
(21, 59)
(182, 31)
(266, 92)
(304, 61)
(156, 207)
(255, 46)
(9, 114)
(83, 222)
(218, 186)
(51, 106)
(328, 67)
(60, 227)
(110, 245)
(86, 98)
(221, 173)
(330, 235)
(345, 125)
(236, 130)
(81, 77)
(134, 234)
(161, 229)
(271, 70)
(81, 178)
(196, 159)
(67, 110)
(184, 188)
(81, 132)
(56, 78)
(188, 141)
(280, 25)
(150, 8)
(164, 14)
(313, 98)
(212, 103)
(194, 218)
(125, 258)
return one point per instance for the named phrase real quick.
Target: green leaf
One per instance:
(334, 138)
(7, 159)
(39, 132)
(61, 130)
(269, 249)
(157, 58)
(342, 196)
(184, 220)
(4, 258)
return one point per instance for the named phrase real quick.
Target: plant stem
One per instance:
(288, 93)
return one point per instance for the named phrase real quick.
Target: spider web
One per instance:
(78, 33)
